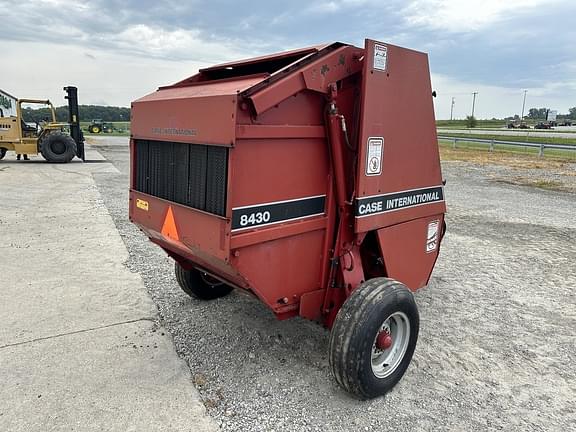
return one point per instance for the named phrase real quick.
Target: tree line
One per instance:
(541, 114)
(86, 113)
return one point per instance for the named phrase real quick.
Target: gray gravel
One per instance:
(498, 325)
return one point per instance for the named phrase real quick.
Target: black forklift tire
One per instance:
(58, 148)
(359, 361)
(200, 285)
(3, 151)
(95, 129)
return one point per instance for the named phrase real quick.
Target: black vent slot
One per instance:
(194, 175)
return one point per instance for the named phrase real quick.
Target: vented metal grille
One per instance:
(194, 175)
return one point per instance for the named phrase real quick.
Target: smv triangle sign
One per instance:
(169, 228)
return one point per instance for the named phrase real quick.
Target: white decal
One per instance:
(432, 240)
(380, 57)
(374, 156)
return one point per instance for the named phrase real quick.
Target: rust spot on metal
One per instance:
(324, 69)
(342, 60)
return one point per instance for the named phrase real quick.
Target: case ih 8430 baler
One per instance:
(302, 178)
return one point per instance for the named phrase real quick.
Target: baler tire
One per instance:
(194, 283)
(359, 321)
(3, 151)
(63, 153)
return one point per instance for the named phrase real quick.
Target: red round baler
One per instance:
(310, 178)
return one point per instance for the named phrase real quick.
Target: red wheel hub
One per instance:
(384, 340)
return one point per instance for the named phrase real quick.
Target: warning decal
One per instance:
(374, 156)
(141, 204)
(380, 57)
(432, 239)
(169, 229)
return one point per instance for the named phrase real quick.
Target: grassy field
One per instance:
(461, 124)
(119, 129)
(512, 159)
(501, 151)
(491, 124)
(514, 138)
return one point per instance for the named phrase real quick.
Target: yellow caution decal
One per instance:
(141, 204)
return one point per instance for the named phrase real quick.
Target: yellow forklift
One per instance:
(57, 142)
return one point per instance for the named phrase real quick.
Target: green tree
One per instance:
(471, 122)
(572, 113)
(86, 112)
(537, 113)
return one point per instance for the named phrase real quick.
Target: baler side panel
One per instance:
(287, 177)
(410, 249)
(397, 110)
(282, 270)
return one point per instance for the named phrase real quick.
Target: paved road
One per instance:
(81, 348)
(559, 132)
(497, 343)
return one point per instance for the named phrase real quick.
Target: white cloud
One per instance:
(466, 15)
(104, 77)
(178, 43)
(332, 6)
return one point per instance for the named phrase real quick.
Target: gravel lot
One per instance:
(498, 324)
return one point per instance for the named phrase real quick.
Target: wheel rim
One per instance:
(385, 361)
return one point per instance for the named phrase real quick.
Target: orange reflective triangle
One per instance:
(169, 228)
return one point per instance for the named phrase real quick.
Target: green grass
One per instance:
(493, 124)
(461, 124)
(514, 138)
(569, 156)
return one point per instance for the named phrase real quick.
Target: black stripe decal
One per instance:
(272, 213)
(369, 206)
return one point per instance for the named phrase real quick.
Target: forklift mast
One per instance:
(74, 119)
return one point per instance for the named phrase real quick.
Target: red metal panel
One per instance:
(275, 232)
(186, 120)
(227, 87)
(317, 76)
(397, 107)
(280, 271)
(302, 109)
(403, 248)
(197, 230)
(284, 131)
(203, 114)
(272, 170)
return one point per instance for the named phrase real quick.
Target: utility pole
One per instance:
(452, 108)
(473, 102)
(523, 105)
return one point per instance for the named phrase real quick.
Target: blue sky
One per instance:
(116, 51)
